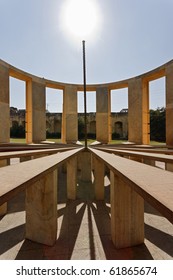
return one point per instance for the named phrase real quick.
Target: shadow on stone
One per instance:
(11, 237)
(158, 238)
(102, 219)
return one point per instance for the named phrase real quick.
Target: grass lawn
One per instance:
(89, 141)
(18, 140)
(155, 143)
(23, 141)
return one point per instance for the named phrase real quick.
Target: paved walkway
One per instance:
(83, 231)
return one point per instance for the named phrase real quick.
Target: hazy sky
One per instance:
(134, 36)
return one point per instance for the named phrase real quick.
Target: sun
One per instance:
(80, 18)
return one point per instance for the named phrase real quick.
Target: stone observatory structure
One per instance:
(138, 105)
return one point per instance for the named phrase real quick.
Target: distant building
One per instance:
(119, 121)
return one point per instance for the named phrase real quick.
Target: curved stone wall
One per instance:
(138, 105)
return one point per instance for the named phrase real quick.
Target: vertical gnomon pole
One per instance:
(84, 84)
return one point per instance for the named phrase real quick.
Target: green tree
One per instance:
(17, 131)
(81, 128)
(158, 124)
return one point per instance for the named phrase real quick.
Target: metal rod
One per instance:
(84, 84)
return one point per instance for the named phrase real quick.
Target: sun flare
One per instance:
(80, 18)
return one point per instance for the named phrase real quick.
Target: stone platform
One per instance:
(83, 231)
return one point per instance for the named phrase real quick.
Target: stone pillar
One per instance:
(70, 116)
(79, 160)
(138, 111)
(138, 159)
(39, 156)
(169, 104)
(169, 166)
(85, 166)
(127, 214)
(149, 162)
(4, 162)
(71, 177)
(41, 210)
(103, 115)
(99, 174)
(3, 207)
(35, 111)
(26, 158)
(4, 104)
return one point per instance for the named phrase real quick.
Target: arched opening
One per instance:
(118, 133)
(17, 110)
(54, 107)
(119, 113)
(157, 108)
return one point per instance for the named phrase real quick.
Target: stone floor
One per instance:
(83, 231)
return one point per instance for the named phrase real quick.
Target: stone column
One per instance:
(4, 162)
(138, 159)
(127, 214)
(86, 166)
(138, 111)
(149, 162)
(26, 158)
(70, 116)
(35, 111)
(3, 207)
(41, 210)
(99, 174)
(72, 177)
(169, 166)
(103, 115)
(4, 104)
(169, 104)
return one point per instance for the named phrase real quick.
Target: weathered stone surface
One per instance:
(127, 214)
(70, 117)
(138, 111)
(85, 160)
(169, 105)
(99, 172)
(4, 105)
(103, 120)
(41, 210)
(72, 177)
(35, 111)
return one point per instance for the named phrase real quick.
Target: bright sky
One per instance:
(130, 37)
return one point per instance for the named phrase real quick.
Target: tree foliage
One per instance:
(158, 124)
(81, 128)
(17, 131)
